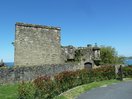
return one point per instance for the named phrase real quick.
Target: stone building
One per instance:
(68, 53)
(37, 45)
(89, 56)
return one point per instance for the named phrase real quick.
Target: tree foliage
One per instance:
(109, 55)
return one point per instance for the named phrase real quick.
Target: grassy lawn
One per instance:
(8, 91)
(72, 93)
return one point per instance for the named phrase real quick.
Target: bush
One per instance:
(41, 88)
(127, 71)
(26, 90)
(46, 88)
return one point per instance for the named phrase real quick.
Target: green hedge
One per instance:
(46, 87)
(127, 71)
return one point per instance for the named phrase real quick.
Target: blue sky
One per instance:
(105, 22)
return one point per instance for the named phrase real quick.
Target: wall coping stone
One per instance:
(37, 26)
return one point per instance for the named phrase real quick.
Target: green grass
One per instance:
(8, 91)
(72, 93)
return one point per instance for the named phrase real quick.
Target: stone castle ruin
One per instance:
(89, 56)
(39, 45)
(38, 52)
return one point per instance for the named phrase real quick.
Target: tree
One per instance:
(121, 59)
(108, 55)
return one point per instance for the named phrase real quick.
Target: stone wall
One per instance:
(29, 73)
(37, 45)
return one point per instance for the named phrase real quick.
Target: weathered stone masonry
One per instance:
(37, 45)
(13, 75)
(38, 52)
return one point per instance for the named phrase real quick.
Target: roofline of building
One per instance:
(36, 26)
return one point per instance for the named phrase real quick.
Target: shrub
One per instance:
(44, 87)
(26, 90)
(127, 71)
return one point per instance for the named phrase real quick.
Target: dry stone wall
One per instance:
(29, 73)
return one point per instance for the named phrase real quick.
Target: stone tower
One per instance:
(37, 45)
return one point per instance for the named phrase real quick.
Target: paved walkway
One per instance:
(122, 90)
